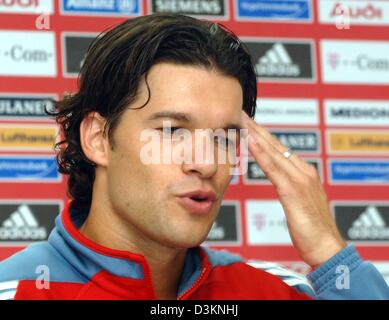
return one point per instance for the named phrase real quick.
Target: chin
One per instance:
(185, 242)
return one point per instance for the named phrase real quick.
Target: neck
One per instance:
(165, 263)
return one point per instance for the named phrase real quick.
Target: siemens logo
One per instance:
(255, 175)
(209, 8)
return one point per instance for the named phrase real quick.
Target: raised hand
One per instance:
(310, 223)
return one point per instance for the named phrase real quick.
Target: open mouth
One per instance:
(198, 202)
(199, 199)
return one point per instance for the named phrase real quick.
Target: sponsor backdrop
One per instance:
(323, 83)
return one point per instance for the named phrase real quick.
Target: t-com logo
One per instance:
(282, 60)
(266, 223)
(210, 8)
(74, 48)
(27, 53)
(226, 228)
(26, 221)
(363, 222)
(360, 62)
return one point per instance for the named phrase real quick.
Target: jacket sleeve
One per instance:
(346, 276)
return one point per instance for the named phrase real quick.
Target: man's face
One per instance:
(148, 196)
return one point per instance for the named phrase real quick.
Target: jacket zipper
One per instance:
(194, 286)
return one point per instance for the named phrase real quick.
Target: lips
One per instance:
(198, 201)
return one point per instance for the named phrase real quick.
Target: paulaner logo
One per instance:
(178, 145)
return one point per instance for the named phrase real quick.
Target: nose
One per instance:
(202, 161)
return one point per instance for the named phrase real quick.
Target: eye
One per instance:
(224, 142)
(168, 131)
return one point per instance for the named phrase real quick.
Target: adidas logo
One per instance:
(217, 232)
(277, 62)
(22, 225)
(369, 225)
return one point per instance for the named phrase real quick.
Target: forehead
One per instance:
(207, 96)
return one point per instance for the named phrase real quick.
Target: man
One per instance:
(133, 227)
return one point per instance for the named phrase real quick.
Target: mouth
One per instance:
(198, 202)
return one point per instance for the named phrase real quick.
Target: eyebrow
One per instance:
(185, 117)
(171, 115)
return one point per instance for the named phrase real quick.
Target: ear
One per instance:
(94, 142)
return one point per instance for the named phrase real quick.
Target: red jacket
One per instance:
(78, 268)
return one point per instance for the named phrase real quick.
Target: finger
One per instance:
(265, 133)
(279, 170)
(294, 158)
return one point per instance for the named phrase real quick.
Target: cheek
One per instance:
(122, 174)
(224, 176)
(130, 179)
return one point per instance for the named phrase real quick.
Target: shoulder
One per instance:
(29, 264)
(23, 264)
(267, 274)
(293, 279)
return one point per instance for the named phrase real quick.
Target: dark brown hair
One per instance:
(114, 65)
